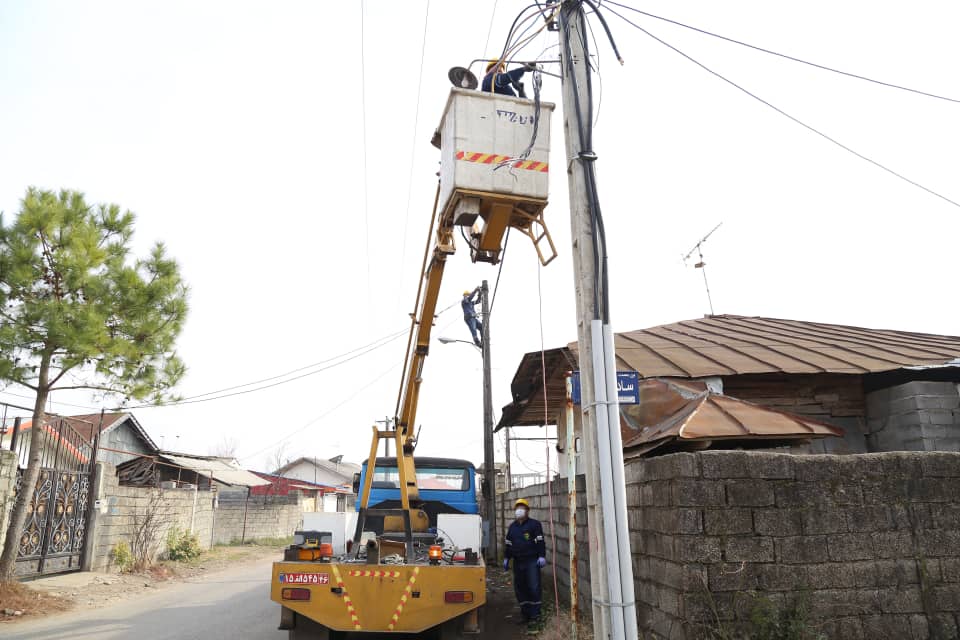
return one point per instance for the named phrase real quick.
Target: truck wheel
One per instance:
(307, 629)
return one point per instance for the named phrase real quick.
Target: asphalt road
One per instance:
(227, 605)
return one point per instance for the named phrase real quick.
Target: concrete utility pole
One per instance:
(611, 573)
(489, 468)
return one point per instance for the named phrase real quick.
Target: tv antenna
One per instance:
(698, 248)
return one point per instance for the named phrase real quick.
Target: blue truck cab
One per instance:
(446, 485)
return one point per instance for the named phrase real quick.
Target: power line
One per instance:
(493, 14)
(780, 55)
(785, 114)
(363, 108)
(413, 149)
(325, 413)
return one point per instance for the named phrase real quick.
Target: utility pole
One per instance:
(611, 572)
(489, 468)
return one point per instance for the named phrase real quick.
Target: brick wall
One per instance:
(916, 416)
(8, 478)
(869, 543)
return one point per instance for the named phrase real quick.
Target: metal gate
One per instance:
(59, 511)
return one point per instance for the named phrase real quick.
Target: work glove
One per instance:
(506, 564)
(541, 562)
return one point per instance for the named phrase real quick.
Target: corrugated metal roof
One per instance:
(221, 469)
(732, 345)
(709, 417)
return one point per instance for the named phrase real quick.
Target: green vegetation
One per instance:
(260, 542)
(122, 556)
(182, 545)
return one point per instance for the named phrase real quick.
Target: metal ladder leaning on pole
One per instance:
(611, 564)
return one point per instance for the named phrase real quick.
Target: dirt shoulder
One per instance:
(88, 590)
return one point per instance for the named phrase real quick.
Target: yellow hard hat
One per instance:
(467, 292)
(493, 63)
(521, 502)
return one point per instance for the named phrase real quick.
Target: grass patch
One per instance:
(29, 602)
(259, 542)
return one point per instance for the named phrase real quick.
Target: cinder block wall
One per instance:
(916, 416)
(214, 522)
(8, 479)
(265, 517)
(869, 543)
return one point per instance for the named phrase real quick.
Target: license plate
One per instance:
(305, 578)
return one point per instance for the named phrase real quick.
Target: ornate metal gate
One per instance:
(55, 532)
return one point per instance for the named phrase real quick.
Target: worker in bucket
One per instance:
(503, 81)
(525, 545)
(469, 303)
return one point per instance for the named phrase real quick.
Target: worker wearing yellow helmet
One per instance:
(528, 550)
(469, 303)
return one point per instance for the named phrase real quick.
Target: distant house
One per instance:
(171, 469)
(333, 472)
(887, 390)
(122, 438)
(314, 497)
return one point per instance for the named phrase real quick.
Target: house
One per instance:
(122, 437)
(333, 472)
(170, 469)
(314, 497)
(887, 390)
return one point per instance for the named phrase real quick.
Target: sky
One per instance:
(281, 152)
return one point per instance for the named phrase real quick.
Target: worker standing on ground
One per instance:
(469, 303)
(525, 545)
(503, 81)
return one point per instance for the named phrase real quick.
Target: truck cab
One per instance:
(446, 485)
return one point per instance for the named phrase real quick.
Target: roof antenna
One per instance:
(701, 264)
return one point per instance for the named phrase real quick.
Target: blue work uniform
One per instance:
(505, 81)
(470, 316)
(525, 544)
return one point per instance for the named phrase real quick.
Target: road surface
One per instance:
(227, 605)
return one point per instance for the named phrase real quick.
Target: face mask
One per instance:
(521, 513)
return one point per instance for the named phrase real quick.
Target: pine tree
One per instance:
(73, 300)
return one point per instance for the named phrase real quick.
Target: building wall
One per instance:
(309, 472)
(916, 416)
(121, 438)
(832, 398)
(256, 518)
(8, 479)
(869, 544)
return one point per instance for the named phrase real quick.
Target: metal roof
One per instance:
(733, 345)
(707, 417)
(222, 470)
(730, 345)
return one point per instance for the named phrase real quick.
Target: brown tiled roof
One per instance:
(732, 345)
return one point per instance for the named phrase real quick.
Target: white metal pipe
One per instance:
(571, 447)
(619, 516)
(607, 500)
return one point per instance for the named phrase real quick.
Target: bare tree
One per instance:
(278, 458)
(226, 448)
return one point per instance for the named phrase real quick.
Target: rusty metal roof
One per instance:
(671, 417)
(732, 345)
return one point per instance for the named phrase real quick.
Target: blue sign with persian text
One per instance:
(628, 387)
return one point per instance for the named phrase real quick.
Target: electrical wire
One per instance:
(787, 115)
(503, 256)
(785, 56)
(363, 110)
(493, 14)
(324, 414)
(413, 152)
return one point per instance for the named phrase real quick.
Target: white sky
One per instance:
(234, 130)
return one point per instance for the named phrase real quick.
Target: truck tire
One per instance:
(307, 629)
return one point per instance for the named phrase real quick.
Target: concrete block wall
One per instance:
(8, 479)
(916, 416)
(266, 517)
(870, 543)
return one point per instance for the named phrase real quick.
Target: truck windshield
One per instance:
(447, 479)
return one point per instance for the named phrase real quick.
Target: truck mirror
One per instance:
(356, 483)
